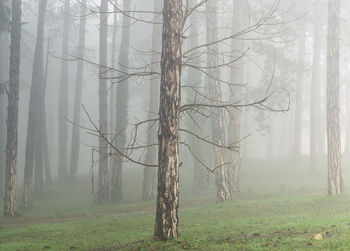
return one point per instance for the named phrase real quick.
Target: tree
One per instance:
(335, 180)
(103, 184)
(78, 93)
(122, 99)
(63, 97)
(217, 117)
(151, 154)
(315, 102)
(167, 217)
(34, 144)
(12, 111)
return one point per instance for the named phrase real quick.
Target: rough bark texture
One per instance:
(335, 181)
(200, 175)
(78, 92)
(315, 102)
(63, 98)
(12, 111)
(218, 132)
(34, 144)
(148, 191)
(167, 218)
(103, 182)
(299, 93)
(122, 99)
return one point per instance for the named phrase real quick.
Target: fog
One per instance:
(226, 103)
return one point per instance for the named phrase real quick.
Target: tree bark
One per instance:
(217, 117)
(78, 92)
(335, 180)
(315, 102)
(299, 94)
(34, 144)
(148, 191)
(122, 99)
(12, 111)
(103, 183)
(167, 218)
(63, 97)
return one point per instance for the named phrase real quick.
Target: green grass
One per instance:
(280, 207)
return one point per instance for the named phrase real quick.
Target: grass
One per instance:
(280, 208)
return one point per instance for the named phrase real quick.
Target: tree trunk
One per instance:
(122, 99)
(200, 175)
(63, 97)
(12, 111)
(217, 117)
(34, 144)
(103, 184)
(299, 94)
(335, 180)
(78, 92)
(167, 217)
(315, 102)
(151, 154)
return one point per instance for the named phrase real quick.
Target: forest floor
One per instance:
(279, 208)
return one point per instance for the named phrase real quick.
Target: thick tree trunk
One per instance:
(148, 191)
(315, 102)
(200, 175)
(167, 217)
(63, 97)
(122, 99)
(335, 180)
(12, 111)
(218, 131)
(78, 92)
(34, 144)
(299, 94)
(103, 183)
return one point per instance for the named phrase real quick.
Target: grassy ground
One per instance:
(280, 207)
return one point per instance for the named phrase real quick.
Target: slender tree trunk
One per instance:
(103, 184)
(34, 144)
(112, 110)
(218, 132)
(335, 180)
(151, 154)
(167, 217)
(78, 92)
(299, 94)
(63, 97)
(4, 71)
(122, 99)
(234, 131)
(12, 111)
(201, 176)
(315, 102)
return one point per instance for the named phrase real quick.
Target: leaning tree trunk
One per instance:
(34, 147)
(122, 99)
(103, 184)
(78, 92)
(315, 102)
(335, 180)
(218, 131)
(12, 111)
(236, 76)
(63, 98)
(167, 217)
(196, 123)
(151, 154)
(299, 94)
